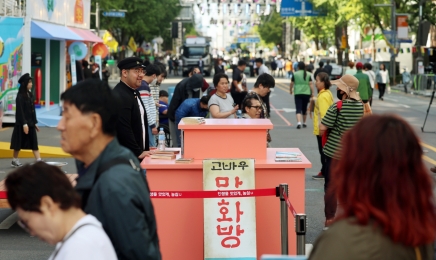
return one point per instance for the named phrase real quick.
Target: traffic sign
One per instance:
(248, 40)
(114, 14)
(299, 8)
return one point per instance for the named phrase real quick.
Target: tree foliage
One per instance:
(271, 29)
(145, 19)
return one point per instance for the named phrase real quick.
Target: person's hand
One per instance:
(154, 131)
(26, 129)
(235, 109)
(291, 91)
(310, 114)
(145, 154)
(37, 128)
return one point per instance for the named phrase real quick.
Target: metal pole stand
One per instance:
(429, 106)
(300, 229)
(283, 218)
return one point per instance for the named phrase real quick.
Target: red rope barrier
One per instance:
(212, 194)
(288, 202)
(3, 195)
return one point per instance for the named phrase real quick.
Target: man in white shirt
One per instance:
(261, 66)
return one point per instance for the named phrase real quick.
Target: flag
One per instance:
(401, 50)
(378, 50)
(431, 52)
(132, 44)
(422, 50)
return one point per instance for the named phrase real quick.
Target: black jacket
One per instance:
(87, 73)
(219, 69)
(129, 126)
(183, 90)
(25, 110)
(120, 200)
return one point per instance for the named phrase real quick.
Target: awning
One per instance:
(86, 35)
(52, 31)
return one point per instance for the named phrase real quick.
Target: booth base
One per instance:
(180, 221)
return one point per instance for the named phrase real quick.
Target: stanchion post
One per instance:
(284, 218)
(300, 229)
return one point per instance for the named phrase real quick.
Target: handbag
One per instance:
(367, 111)
(327, 132)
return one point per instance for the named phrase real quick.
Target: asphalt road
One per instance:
(16, 244)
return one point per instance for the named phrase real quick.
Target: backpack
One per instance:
(103, 168)
(327, 132)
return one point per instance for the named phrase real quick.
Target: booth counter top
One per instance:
(217, 124)
(269, 162)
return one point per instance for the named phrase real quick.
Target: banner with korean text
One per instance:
(229, 223)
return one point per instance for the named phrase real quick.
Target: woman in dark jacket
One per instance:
(24, 134)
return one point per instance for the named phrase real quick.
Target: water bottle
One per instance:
(162, 141)
(239, 114)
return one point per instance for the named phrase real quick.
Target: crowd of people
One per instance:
(109, 131)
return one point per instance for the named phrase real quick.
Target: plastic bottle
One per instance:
(239, 114)
(162, 141)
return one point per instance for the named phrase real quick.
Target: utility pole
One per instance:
(394, 37)
(97, 18)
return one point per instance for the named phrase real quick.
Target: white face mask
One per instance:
(153, 82)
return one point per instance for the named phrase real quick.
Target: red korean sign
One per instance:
(229, 223)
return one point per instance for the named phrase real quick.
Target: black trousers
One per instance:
(381, 89)
(330, 201)
(321, 153)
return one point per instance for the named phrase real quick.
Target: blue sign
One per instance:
(249, 40)
(299, 8)
(233, 46)
(114, 14)
(389, 37)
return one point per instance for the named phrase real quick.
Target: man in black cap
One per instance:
(132, 126)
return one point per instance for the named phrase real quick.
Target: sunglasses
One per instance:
(23, 225)
(256, 107)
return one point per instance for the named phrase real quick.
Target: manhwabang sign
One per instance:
(229, 223)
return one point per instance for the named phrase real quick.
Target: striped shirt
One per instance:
(349, 115)
(154, 90)
(150, 106)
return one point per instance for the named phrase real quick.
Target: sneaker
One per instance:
(16, 163)
(319, 176)
(304, 125)
(327, 224)
(298, 126)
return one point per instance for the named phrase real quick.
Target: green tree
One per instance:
(145, 19)
(270, 31)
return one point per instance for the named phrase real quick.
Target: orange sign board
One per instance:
(402, 21)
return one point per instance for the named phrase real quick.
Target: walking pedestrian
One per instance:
(367, 69)
(382, 78)
(111, 183)
(376, 223)
(201, 65)
(238, 88)
(288, 68)
(340, 117)
(350, 70)
(323, 101)
(25, 128)
(406, 79)
(364, 88)
(328, 68)
(219, 67)
(261, 67)
(48, 207)
(302, 89)
(132, 126)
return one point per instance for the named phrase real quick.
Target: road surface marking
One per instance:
(428, 159)
(9, 221)
(429, 147)
(280, 115)
(4, 129)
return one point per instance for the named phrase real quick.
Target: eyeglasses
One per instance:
(23, 225)
(256, 107)
(138, 71)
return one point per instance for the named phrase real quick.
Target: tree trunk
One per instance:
(338, 35)
(316, 40)
(374, 51)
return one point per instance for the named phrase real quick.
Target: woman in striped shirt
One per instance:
(338, 121)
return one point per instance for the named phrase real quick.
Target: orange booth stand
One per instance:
(180, 221)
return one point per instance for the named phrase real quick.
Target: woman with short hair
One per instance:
(48, 207)
(301, 87)
(385, 193)
(221, 105)
(323, 101)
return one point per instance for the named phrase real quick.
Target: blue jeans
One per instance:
(151, 138)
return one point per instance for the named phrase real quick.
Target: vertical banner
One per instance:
(73, 69)
(97, 59)
(402, 27)
(229, 223)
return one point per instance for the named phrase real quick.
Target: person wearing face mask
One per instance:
(24, 134)
(339, 118)
(191, 107)
(155, 87)
(152, 72)
(48, 207)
